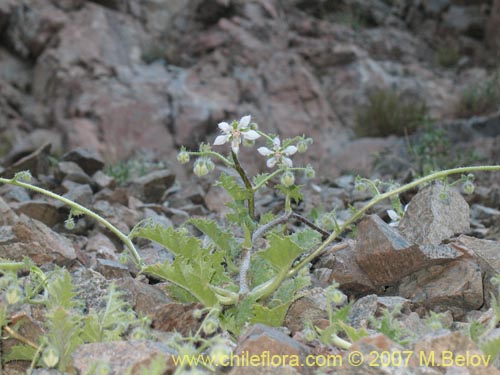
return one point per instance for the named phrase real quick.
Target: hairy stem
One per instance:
(128, 243)
(248, 185)
(311, 225)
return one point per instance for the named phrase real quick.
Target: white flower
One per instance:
(235, 132)
(279, 155)
(395, 217)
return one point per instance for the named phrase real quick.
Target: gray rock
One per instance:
(68, 170)
(81, 194)
(430, 219)
(41, 210)
(89, 161)
(33, 239)
(386, 256)
(121, 356)
(151, 187)
(7, 215)
(456, 286)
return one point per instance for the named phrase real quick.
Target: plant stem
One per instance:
(214, 154)
(270, 286)
(310, 224)
(128, 243)
(248, 185)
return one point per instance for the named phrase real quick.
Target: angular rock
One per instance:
(306, 310)
(122, 357)
(7, 215)
(111, 269)
(151, 187)
(430, 219)
(487, 255)
(80, 193)
(260, 338)
(343, 268)
(33, 239)
(36, 162)
(440, 344)
(101, 246)
(41, 210)
(68, 170)
(103, 181)
(90, 161)
(456, 286)
(178, 317)
(486, 215)
(386, 256)
(142, 297)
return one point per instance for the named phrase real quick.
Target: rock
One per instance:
(431, 219)
(133, 357)
(259, 339)
(89, 161)
(81, 194)
(487, 255)
(386, 256)
(306, 310)
(143, 298)
(456, 287)
(36, 162)
(91, 287)
(72, 172)
(104, 181)
(151, 187)
(101, 246)
(41, 210)
(362, 311)
(492, 37)
(111, 269)
(120, 216)
(370, 347)
(342, 267)
(450, 349)
(486, 215)
(467, 20)
(7, 215)
(32, 26)
(176, 317)
(31, 238)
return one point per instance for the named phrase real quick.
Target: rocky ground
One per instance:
(84, 85)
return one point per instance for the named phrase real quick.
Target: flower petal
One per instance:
(251, 135)
(276, 142)
(225, 127)
(287, 161)
(271, 162)
(221, 139)
(290, 150)
(393, 215)
(244, 122)
(264, 151)
(235, 144)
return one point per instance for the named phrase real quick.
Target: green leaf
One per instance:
(273, 317)
(223, 239)
(235, 190)
(111, 322)
(281, 253)
(235, 318)
(179, 241)
(289, 289)
(306, 238)
(64, 334)
(491, 347)
(293, 191)
(353, 333)
(258, 179)
(61, 291)
(20, 352)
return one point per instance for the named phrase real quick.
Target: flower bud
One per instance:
(210, 326)
(139, 333)
(50, 357)
(338, 297)
(302, 146)
(210, 165)
(220, 354)
(69, 223)
(13, 295)
(197, 313)
(309, 172)
(444, 195)
(23, 176)
(200, 168)
(468, 187)
(183, 157)
(287, 179)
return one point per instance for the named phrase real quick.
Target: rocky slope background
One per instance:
(96, 97)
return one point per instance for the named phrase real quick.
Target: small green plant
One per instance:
(431, 150)
(448, 56)
(480, 98)
(389, 113)
(137, 166)
(239, 278)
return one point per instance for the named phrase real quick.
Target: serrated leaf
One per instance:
(19, 352)
(281, 253)
(273, 317)
(236, 317)
(293, 191)
(179, 241)
(258, 179)
(235, 190)
(491, 347)
(61, 291)
(306, 238)
(223, 239)
(288, 290)
(353, 333)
